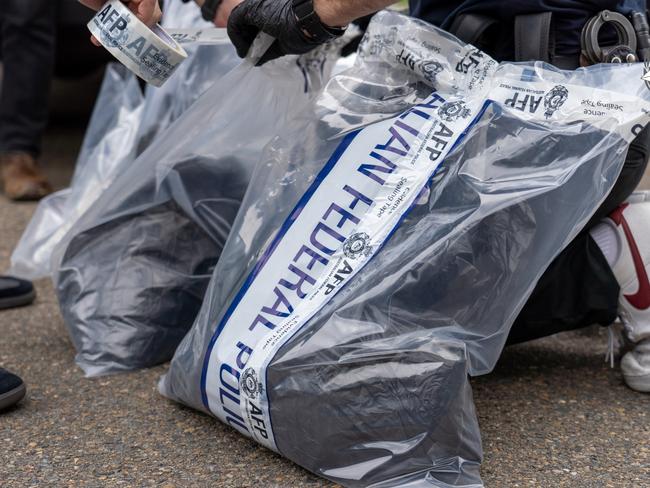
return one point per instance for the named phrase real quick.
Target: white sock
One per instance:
(608, 241)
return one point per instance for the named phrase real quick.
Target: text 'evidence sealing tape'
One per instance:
(151, 53)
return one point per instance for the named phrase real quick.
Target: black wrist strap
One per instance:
(309, 21)
(209, 9)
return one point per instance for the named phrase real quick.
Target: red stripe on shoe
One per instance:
(641, 299)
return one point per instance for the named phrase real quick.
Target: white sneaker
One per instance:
(632, 271)
(635, 366)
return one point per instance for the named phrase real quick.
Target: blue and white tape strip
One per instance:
(344, 219)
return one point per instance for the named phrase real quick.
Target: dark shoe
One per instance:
(12, 389)
(15, 292)
(21, 177)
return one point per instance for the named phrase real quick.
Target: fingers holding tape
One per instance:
(150, 53)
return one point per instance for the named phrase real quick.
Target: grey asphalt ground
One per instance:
(552, 414)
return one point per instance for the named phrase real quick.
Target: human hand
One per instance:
(278, 19)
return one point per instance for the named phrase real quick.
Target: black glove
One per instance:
(279, 19)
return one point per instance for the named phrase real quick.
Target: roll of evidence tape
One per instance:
(152, 54)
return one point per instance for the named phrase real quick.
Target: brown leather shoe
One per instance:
(21, 177)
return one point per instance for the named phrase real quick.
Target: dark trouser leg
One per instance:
(27, 33)
(579, 288)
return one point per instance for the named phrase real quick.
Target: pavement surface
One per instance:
(552, 414)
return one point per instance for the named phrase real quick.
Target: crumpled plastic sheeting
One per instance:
(133, 276)
(110, 137)
(370, 387)
(123, 125)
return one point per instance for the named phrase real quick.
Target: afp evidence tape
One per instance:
(151, 53)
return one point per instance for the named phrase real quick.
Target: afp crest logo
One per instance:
(452, 111)
(357, 245)
(250, 385)
(431, 70)
(554, 100)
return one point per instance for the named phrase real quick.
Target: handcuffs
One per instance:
(627, 32)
